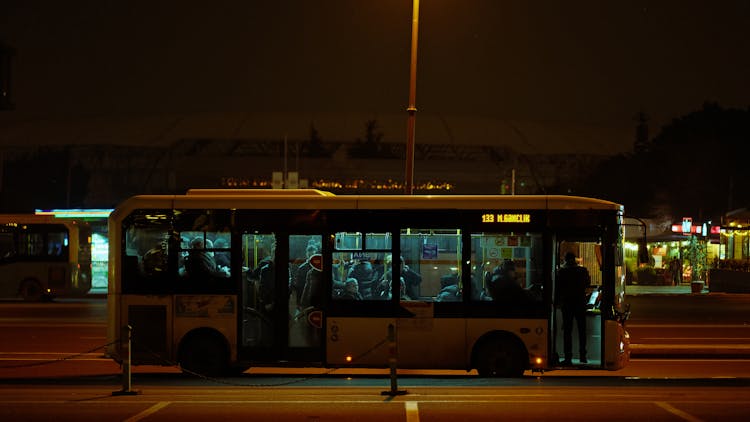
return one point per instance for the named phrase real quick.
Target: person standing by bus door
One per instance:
(570, 297)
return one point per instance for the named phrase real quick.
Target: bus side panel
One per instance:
(215, 312)
(150, 317)
(362, 339)
(113, 350)
(438, 343)
(532, 332)
(20, 271)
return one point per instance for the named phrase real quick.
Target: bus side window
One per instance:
(204, 255)
(7, 245)
(359, 269)
(31, 244)
(56, 243)
(147, 249)
(430, 265)
(507, 269)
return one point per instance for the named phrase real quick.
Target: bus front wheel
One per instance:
(31, 290)
(204, 354)
(501, 357)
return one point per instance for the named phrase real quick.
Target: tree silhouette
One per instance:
(371, 146)
(702, 159)
(314, 146)
(694, 167)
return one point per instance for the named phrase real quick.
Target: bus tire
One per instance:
(31, 290)
(204, 353)
(501, 356)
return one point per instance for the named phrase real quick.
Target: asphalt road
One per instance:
(48, 369)
(652, 403)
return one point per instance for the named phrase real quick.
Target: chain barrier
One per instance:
(167, 362)
(58, 360)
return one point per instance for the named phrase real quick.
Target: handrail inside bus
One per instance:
(260, 192)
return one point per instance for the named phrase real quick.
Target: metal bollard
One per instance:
(393, 363)
(126, 379)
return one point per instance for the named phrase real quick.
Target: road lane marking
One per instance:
(412, 411)
(148, 412)
(677, 412)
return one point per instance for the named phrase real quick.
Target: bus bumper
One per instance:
(617, 346)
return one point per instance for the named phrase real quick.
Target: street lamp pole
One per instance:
(412, 109)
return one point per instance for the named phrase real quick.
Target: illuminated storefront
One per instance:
(99, 242)
(679, 255)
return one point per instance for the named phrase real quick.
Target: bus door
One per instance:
(577, 289)
(258, 330)
(281, 297)
(307, 294)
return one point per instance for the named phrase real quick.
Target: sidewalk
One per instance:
(634, 289)
(683, 351)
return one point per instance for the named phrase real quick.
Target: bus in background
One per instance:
(43, 257)
(222, 280)
(96, 218)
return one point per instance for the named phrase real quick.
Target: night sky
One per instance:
(532, 64)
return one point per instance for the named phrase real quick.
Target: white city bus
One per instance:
(222, 280)
(43, 257)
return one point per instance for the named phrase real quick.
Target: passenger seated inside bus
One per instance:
(361, 270)
(222, 257)
(351, 290)
(201, 263)
(504, 287)
(449, 289)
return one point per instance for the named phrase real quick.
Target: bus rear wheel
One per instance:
(31, 290)
(204, 354)
(501, 357)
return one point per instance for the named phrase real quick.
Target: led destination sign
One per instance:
(505, 218)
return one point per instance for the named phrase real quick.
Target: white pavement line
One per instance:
(677, 412)
(412, 411)
(150, 411)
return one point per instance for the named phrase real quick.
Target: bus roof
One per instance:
(32, 219)
(315, 199)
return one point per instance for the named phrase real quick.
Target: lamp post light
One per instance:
(412, 109)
